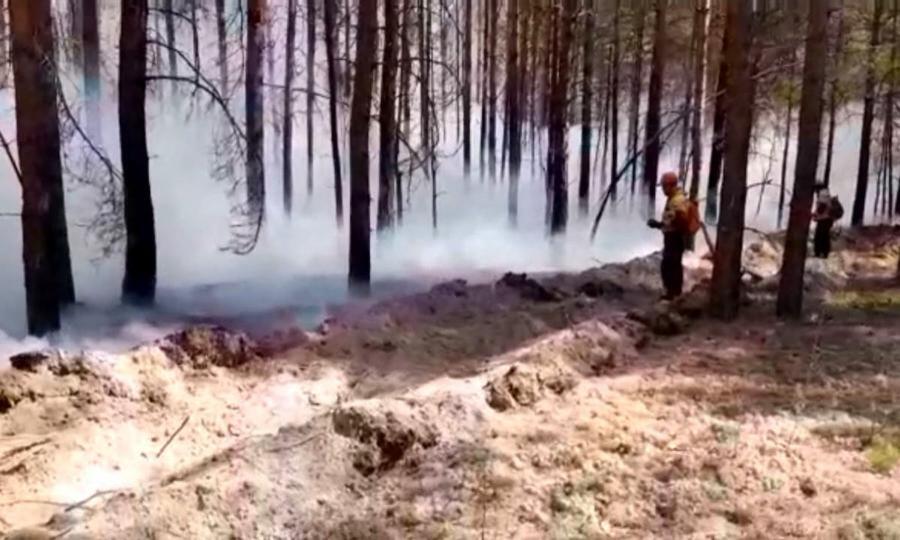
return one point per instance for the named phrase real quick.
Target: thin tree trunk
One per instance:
(387, 168)
(90, 38)
(195, 37)
(492, 87)
(614, 96)
(717, 150)
(556, 153)
(893, 205)
(514, 111)
(330, 46)
(467, 89)
(405, 74)
(788, 122)
(360, 109)
(222, 43)
(5, 39)
(287, 171)
(636, 85)
(486, 26)
(44, 245)
(169, 9)
(833, 96)
(790, 289)
(139, 283)
(862, 176)
(654, 101)
(726, 278)
(255, 109)
(587, 60)
(310, 85)
(348, 74)
(701, 20)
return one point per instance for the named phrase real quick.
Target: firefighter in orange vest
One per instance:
(674, 226)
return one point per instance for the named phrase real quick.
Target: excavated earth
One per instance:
(557, 406)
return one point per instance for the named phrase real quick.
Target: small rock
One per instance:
(808, 488)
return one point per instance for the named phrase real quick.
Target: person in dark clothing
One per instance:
(828, 210)
(674, 227)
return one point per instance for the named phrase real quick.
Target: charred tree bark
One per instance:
(513, 111)
(467, 88)
(726, 278)
(387, 166)
(139, 283)
(360, 107)
(255, 109)
(329, 16)
(862, 177)
(492, 86)
(636, 85)
(310, 81)
(587, 60)
(90, 39)
(557, 131)
(348, 62)
(717, 150)
(788, 122)
(700, 20)
(222, 45)
(614, 97)
(169, 9)
(45, 246)
(195, 34)
(790, 288)
(654, 101)
(287, 121)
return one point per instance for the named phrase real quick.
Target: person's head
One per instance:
(669, 182)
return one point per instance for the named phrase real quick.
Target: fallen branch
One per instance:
(177, 431)
(79, 504)
(24, 448)
(296, 444)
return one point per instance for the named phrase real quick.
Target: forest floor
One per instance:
(566, 406)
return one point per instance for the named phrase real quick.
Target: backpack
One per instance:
(692, 223)
(837, 209)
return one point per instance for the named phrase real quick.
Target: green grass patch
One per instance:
(884, 453)
(887, 299)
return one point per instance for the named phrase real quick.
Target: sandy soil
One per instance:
(571, 406)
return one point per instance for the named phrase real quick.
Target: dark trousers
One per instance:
(671, 269)
(822, 238)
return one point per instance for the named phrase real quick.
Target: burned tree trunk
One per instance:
(862, 177)
(169, 9)
(636, 84)
(90, 39)
(467, 88)
(788, 122)
(513, 110)
(587, 59)
(360, 107)
(614, 99)
(329, 16)
(833, 94)
(726, 278)
(287, 171)
(255, 110)
(387, 119)
(700, 21)
(310, 79)
(717, 150)
(45, 246)
(790, 289)
(492, 86)
(139, 283)
(654, 101)
(222, 45)
(557, 130)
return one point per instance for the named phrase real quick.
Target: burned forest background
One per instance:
(162, 146)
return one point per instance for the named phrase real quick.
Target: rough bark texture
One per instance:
(139, 283)
(360, 106)
(37, 130)
(557, 131)
(654, 101)
(330, 52)
(255, 109)
(387, 118)
(310, 81)
(287, 121)
(862, 177)
(587, 60)
(726, 278)
(790, 289)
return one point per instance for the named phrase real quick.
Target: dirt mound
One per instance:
(524, 384)
(201, 347)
